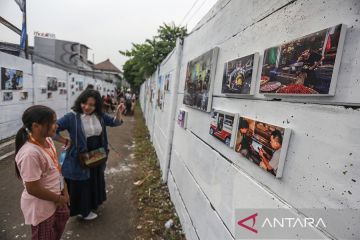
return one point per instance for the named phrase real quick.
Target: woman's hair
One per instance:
(34, 114)
(83, 97)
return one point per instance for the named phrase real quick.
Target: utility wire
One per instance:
(197, 10)
(192, 7)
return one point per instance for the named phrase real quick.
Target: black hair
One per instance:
(83, 97)
(243, 124)
(34, 114)
(277, 134)
(90, 86)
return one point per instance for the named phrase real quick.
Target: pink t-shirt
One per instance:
(35, 164)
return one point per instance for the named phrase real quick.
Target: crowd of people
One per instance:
(55, 189)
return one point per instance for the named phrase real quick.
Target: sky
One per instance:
(106, 26)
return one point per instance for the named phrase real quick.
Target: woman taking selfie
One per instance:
(87, 151)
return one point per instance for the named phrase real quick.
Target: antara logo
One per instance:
(253, 217)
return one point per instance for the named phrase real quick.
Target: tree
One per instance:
(145, 57)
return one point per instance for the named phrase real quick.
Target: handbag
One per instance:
(92, 158)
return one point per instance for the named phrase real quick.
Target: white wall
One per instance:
(208, 180)
(35, 77)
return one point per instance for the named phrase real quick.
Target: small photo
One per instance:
(52, 83)
(182, 118)
(240, 75)
(222, 126)
(72, 86)
(11, 79)
(263, 144)
(49, 95)
(24, 96)
(59, 84)
(43, 90)
(167, 82)
(7, 96)
(61, 91)
(65, 91)
(63, 84)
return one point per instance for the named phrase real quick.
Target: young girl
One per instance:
(44, 199)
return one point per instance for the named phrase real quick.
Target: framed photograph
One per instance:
(167, 81)
(200, 74)
(49, 95)
(263, 144)
(160, 92)
(239, 76)
(59, 84)
(65, 91)
(81, 85)
(52, 84)
(182, 118)
(305, 66)
(223, 126)
(24, 96)
(7, 96)
(61, 91)
(43, 90)
(11, 79)
(63, 84)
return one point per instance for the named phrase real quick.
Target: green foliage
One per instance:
(145, 57)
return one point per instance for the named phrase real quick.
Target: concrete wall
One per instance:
(35, 78)
(207, 180)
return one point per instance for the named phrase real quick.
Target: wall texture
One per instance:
(35, 78)
(208, 180)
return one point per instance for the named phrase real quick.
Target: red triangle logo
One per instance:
(253, 217)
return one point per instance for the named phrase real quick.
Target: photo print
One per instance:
(263, 144)
(305, 66)
(200, 74)
(240, 75)
(11, 79)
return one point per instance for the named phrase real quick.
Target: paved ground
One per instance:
(116, 215)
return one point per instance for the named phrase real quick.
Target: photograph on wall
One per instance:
(182, 118)
(52, 83)
(200, 74)
(24, 96)
(43, 90)
(263, 144)
(160, 92)
(81, 85)
(240, 75)
(223, 126)
(7, 96)
(49, 95)
(61, 91)
(167, 81)
(305, 66)
(11, 79)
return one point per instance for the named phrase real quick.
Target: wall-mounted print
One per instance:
(52, 83)
(305, 66)
(24, 96)
(167, 81)
(59, 84)
(72, 86)
(223, 126)
(182, 118)
(65, 91)
(63, 84)
(200, 74)
(81, 85)
(43, 90)
(11, 79)
(61, 91)
(160, 92)
(263, 144)
(7, 96)
(49, 95)
(240, 75)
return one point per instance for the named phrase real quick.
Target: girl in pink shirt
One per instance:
(44, 201)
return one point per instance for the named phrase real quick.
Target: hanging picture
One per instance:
(160, 92)
(52, 83)
(223, 126)
(49, 95)
(182, 118)
(200, 74)
(24, 96)
(11, 79)
(240, 75)
(263, 144)
(81, 85)
(167, 81)
(7, 96)
(305, 66)
(43, 90)
(61, 91)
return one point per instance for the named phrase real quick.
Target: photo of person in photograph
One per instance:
(198, 80)
(304, 66)
(238, 75)
(261, 143)
(11, 79)
(52, 83)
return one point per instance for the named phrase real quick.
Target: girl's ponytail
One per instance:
(20, 140)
